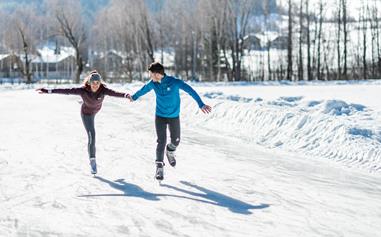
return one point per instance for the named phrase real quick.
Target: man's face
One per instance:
(155, 76)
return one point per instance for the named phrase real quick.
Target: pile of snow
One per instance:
(221, 186)
(318, 121)
(333, 129)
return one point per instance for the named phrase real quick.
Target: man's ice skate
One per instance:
(171, 156)
(159, 171)
(93, 165)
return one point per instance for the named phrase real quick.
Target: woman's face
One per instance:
(95, 85)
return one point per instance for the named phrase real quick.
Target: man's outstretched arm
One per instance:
(144, 90)
(188, 89)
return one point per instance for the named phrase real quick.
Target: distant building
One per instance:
(251, 42)
(10, 66)
(110, 64)
(279, 42)
(54, 63)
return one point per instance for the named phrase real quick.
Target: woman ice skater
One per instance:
(92, 92)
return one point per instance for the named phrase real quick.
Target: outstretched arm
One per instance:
(70, 91)
(188, 89)
(113, 93)
(144, 90)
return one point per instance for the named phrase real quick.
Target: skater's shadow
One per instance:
(132, 190)
(206, 195)
(218, 199)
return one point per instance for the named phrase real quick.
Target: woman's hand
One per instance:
(128, 96)
(42, 90)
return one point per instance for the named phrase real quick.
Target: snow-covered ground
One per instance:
(271, 159)
(336, 121)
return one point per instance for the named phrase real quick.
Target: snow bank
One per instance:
(333, 129)
(349, 133)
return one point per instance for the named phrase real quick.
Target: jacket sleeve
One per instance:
(188, 89)
(144, 90)
(113, 93)
(68, 91)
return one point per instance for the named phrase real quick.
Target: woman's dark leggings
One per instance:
(88, 122)
(161, 132)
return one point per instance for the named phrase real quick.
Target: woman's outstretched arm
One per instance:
(68, 91)
(113, 93)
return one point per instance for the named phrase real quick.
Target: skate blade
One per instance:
(158, 180)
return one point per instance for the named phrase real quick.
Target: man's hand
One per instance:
(128, 96)
(206, 109)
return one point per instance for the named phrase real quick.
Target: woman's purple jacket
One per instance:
(92, 101)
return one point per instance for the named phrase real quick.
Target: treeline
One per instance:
(209, 40)
(338, 45)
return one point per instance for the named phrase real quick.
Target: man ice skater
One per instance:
(167, 112)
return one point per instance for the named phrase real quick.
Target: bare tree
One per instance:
(319, 40)
(364, 28)
(213, 17)
(376, 20)
(345, 35)
(238, 15)
(289, 42)
(266, 12)
(301, 64)
(22, 20)
(308, 34)
(145, 26)
(338, 40)
(327, 49)
(374, 30)
(71, 26)
(160, 19)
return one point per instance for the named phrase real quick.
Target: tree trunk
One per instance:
(309, 68)
(373, 45)
(289, 42)
(376, 19)
(146, 29)
(67, 29)
(345, 32)
(365, 66)
(266, 10)
(319, 40)
(338, 42)
(300, 66)
(26, 72)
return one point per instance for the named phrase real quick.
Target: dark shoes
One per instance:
(159, 170)
(171, 157)
(93, 165)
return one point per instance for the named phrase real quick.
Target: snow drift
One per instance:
(348, 133)
(332, 129)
